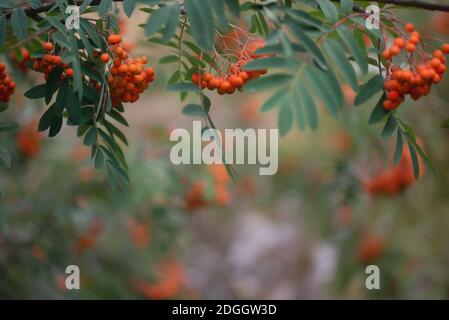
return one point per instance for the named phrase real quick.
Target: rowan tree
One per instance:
(301, 51)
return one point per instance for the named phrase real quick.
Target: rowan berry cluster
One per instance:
(7, 85)
(238, 48)
(129, 77)
(394, 180)
(50, 62)
(20, 64)
(417, 78)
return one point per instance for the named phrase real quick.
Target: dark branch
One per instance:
(418, 4)
(421, 4)
(46, 6)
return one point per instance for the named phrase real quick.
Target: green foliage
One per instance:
(312, 48)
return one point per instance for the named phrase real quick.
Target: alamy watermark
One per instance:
(237, 145)
(372, 21)
(372, 281)
(73, 18)
(72, 282)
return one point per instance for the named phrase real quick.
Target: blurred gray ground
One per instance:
(256, 256)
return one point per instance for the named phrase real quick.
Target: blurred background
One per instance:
(336, 205)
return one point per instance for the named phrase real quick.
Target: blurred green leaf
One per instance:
(310, 45)
(285, 119)
(2, 29)
(274, 101)
(379, 112)
(414, 160)
(390, 126)
(3, 106)
(104, 7)
(8, 126)
(309, 106)
(201, 22)
(346, 6)
(340, 59)
(369, 89)
(5, 157)
(354, 48)
(128, 7)
(19, 21)
(91, 137)
(266, 63)
(398, 148)
(183, 86)
(193, 110)
(329, 10)
(36, 92)
(326, 88)
(268, 82)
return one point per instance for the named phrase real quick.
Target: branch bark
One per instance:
(420, 4)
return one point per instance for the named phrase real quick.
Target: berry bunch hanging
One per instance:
(417, 77)
(129, 77)
(237, 49)
(7, 85)
(20, 63)
(50, 62)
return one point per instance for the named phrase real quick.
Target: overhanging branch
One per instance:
(420, 4)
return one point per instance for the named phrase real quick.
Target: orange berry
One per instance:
(25, 54)
(213, 84)
(236, 81)
(123, 69)
(438, 54)
(57, 60)
(114, 39)
(138, 79)
(134, 69)
(399, 42)
(104, 57)
(225, 86)
(414, 40)
(48, 58)
(386, 54)
(388, 105)
(231, 89)
(394, 85)
(124, 55)
(445, 48)
(415, 34)
(69, 72)
(435, 63)
(196, 78)
(118, 51)
(47, 46)
(393, 95)
(441, 69)
(244, 75)
(409, 27)
(208, 77)
(117, 62)
(149, 72)
(394, 50)
(410, 47)
(436, 78)
(130, 86)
